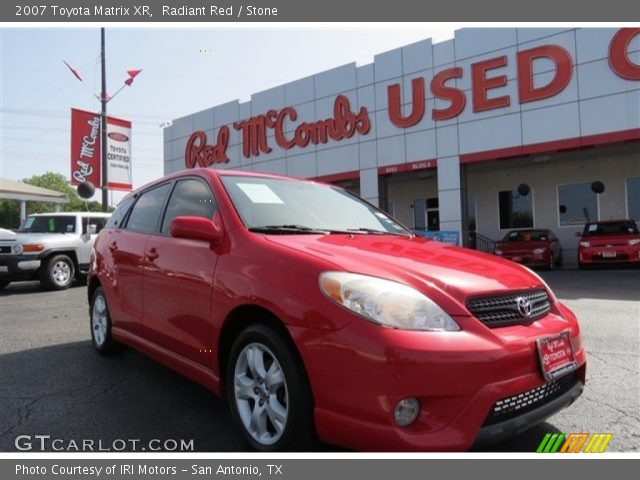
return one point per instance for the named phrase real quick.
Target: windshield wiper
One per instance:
(374, 231)
(287, 228)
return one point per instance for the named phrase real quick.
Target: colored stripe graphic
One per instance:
(573, 442)
(543, 443)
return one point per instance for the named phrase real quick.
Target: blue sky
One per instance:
(184, 70)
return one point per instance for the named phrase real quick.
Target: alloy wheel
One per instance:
(99, 320)
(61, 273)
(260, 391)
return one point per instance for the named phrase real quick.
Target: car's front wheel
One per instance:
(4, 284)
(268, 392)
(57, 272)
(100, 323)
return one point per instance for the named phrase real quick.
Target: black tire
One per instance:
(106, 345)
(299, 430)
(57, 272)
(4, 284)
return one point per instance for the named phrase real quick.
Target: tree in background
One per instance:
(10, 209)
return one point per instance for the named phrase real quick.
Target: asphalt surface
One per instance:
(53, 383)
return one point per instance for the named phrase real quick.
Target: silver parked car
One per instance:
(52, 247)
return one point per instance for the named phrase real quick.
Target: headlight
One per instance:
(585, 244)
(634, 241)
(17, 249)
(538, 251)
(385, 302)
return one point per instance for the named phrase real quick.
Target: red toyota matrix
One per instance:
(319, 316)
(611, 241)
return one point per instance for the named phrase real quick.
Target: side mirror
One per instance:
(578, 234)
(92, 229)
(196, 228)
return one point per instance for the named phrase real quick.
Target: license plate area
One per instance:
(556, 354)
(609, 254)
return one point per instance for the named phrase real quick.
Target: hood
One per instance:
(603, 240)
(457, 272)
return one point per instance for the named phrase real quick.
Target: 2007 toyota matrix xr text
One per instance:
(321, 317)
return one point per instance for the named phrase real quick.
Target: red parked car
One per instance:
(612, 241)
(534, 248)
(318, 315)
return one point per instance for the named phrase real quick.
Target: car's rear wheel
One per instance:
(4, 284)
(268, 392)
(100, 323)
(57, 273)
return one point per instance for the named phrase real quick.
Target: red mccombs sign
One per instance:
(485, 76)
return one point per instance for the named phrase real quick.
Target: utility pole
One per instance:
(103, 136)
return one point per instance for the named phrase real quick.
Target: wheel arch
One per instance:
(239, 319)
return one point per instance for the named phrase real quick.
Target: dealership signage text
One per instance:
(486, 76)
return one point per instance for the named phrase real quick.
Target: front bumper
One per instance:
(19, 267)
(615, 254)
(528, 259)
(359, 373)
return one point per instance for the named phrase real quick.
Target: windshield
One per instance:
(613, 228)
(290, 206)
(49, 224)
(526, 236)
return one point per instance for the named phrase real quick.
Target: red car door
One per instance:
(127, 247)
(178, 276)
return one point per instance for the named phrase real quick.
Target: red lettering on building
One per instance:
(481, 84)
(199, 152)
(344, 124)
(394, 102)
(455, 96)
(527, 92)
(619, 59)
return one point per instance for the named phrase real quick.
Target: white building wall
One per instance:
(596, 101)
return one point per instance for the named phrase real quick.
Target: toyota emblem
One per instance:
(524, 307)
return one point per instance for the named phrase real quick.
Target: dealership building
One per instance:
(494, 130)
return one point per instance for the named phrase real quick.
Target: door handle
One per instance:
(113, 246)
(152, 254)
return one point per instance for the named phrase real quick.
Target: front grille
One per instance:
(5, 249)
(519, 404)
(502, 310)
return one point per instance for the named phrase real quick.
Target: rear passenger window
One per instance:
(146, 211)
(119, 215)
(189, 198)
(99, 222)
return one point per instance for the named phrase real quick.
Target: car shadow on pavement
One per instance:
(27, 287)
(71, 393)
(601, 283)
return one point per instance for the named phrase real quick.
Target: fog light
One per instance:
(17, 249)
(407, 411)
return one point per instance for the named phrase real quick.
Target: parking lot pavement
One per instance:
(52, 382)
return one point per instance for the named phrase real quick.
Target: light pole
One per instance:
(103, 136)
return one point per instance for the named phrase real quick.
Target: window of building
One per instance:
(190, 198)
(577, 204)
(633, 198)
(146, 212)
(516, 211)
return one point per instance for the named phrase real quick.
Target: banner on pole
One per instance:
(119, 154)
(85, 147)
